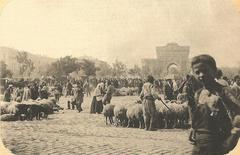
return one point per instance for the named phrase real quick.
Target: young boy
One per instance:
(214, 131)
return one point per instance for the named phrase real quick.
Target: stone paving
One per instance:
(83, 133)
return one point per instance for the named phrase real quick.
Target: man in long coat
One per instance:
(148, 96)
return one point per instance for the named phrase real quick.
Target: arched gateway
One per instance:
(170, 58)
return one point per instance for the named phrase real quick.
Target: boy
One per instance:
(214, 131)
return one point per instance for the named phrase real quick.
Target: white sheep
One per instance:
(176, 115)
(135, 115)
(120, 114)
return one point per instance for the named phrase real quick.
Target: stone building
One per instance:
(171, 59)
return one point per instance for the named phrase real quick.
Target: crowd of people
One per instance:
(213, 100)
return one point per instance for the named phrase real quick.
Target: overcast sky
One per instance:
(127, 30)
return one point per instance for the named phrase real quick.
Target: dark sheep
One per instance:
(108, 112)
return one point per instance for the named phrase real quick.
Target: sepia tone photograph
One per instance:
(136, 77)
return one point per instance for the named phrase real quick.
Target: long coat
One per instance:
(168, 92)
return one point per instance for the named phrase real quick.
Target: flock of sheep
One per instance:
(28, 110)
(175, 115)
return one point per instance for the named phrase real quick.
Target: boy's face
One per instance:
(204, 73)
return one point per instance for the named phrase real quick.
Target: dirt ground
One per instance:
(83, 133)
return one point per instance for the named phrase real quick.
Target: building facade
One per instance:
(171, 59)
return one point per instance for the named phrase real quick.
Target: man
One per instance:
(26, 93)
(43, 91)
(148, 96)
(34, 91)
(78, 96)
(220, 80)
(211, 120)
(57, 91)
(69, 88)
(236, 87)
(168, 89)
(7, 94)
(86, 87)
(109, 92)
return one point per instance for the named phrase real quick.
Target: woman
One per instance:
(97, 105)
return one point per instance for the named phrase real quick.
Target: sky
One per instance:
(127, 30)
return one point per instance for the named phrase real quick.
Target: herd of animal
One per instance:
(173, 114)
(28, 110)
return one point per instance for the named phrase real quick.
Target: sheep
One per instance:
(175, 117)
(162, 113)
(108, 112)
(130, 115)
(16, 109)
(47, 109)
(120, 115)
(34, 110)
(22, 111)
(48, 105)
(182, 97)
(135, 116)
(7, 117)
(3, 107)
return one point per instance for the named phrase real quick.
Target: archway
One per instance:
(173, 68)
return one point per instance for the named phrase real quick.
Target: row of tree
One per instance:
(72, 66)
(76, 68)
(85, 67)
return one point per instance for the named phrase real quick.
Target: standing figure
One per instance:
(97, 105)
(26, 93)
(57, 92)
(219, 78)
(19, 94)
(34, 91)
(78, 96)
(168, 90)
(109, 91)
(7, 94)
(236, 87)
(86, 87)
(43, 91)
(69, 88)
(213, 108)
(148, 96)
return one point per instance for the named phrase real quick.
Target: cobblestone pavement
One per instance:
(83, 133)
